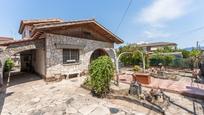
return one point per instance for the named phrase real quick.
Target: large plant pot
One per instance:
(143, 78)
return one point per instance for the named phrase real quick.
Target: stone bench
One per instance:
(72, 74)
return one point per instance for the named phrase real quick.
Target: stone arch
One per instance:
(107, 51)
(97, 53)
(112, 53)
(14, 49)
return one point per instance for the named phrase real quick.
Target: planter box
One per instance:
(143, 78)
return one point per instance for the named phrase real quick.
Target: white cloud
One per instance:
(161, 11)
(156, 34)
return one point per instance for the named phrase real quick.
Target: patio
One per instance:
(36, 97)
(183, 86)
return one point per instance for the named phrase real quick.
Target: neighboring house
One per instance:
(4, 40)
(55, 49)
(176, 54)
(150, 47)
(16, 57)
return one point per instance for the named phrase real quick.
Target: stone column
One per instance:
(2, 59)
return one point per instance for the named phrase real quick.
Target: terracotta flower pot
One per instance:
(143, 78)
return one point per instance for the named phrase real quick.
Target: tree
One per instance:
(101, 72)
(133, 58)
(155, 59)
(185, 53)
(195, 56)
(195, 53)
(166, 60)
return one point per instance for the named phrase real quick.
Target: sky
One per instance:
(179, 21)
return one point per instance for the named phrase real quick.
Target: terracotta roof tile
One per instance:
(36, 21)
(16, 41)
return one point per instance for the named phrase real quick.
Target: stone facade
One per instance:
(54, 55)
(48, 58)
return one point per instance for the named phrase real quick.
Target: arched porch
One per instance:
(97, 53)
(27, 53)
(103, 51)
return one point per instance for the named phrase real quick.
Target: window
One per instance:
(70, 56)
(30, 33)
(24, 34)
(87, 34)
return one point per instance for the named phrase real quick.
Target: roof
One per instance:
(93, 22)
(6, 39)
(46, 24)
(36, 21)
(16, 41)
(157, 44)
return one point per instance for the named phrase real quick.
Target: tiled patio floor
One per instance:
(188, 88)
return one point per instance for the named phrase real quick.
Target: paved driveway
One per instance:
(29, 95)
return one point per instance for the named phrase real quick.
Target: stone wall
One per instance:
(54, 56)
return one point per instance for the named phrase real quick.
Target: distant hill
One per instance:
(190, 48)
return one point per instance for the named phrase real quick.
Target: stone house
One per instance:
(57, 49)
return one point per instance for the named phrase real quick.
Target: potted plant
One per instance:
(9, 64)
(140, 75)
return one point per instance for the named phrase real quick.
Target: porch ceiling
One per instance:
(86, 31)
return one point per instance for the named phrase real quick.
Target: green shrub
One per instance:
(182, 63)
(101, 72)
(137, 68)
(168, 60)
(9, 64)
(185, 53)
(87, 82)
(156, 59)
(133, 58)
